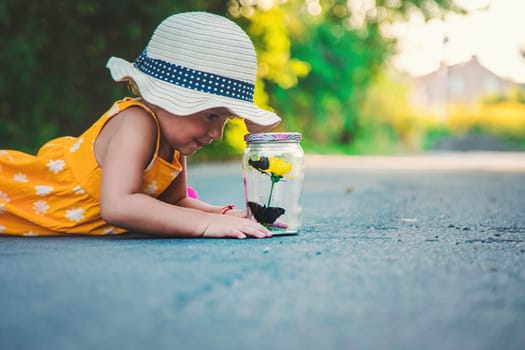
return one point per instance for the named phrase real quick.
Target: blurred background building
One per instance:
(467, 82)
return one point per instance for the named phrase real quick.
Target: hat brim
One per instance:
(183, 101)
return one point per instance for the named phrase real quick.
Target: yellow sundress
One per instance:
(57, 192)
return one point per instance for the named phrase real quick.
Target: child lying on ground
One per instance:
(127, 171)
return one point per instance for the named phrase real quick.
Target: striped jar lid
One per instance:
(271, 137)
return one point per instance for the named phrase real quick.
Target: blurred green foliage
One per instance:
(53, 79)
(316, 65)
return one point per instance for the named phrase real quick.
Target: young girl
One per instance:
(127, 171)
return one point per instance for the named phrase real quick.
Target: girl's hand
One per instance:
(279, 224)
(229, 226)
(242, 214)
(237, 213)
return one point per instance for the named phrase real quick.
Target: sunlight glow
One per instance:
(494, 30)
(313, 7)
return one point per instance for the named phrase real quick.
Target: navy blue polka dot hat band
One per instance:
(196, 61)
(194, 79)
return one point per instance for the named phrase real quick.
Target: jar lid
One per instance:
(265, 137)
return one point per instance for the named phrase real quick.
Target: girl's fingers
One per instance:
(279, 224)
(259, 231)
(239, 235)
(239, 228)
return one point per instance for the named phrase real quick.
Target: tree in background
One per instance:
(53, 79)
(344, 48)
(317, 59)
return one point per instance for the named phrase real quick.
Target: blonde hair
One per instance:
(133, 88)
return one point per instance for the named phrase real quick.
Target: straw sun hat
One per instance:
(196, 61)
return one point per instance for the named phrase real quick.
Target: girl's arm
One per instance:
(127, 152)
(176, 193)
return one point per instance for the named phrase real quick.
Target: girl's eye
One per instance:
(212, 116)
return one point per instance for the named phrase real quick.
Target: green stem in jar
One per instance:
(274, 178)
(271, 192)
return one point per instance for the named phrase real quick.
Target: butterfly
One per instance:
(262, 164)
(264, 214)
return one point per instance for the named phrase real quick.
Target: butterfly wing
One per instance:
(262, 164)
(257, 211)
(272, 213)
(264, 214)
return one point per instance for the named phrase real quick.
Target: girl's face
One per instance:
(187, 134)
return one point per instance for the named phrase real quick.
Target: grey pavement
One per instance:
(389, 257)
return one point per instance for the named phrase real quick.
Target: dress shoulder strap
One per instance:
(128, 102)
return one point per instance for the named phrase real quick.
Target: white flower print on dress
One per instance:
(151, 188)
(113, 110)
(30, 234)
(6, 154)
(2, 209)
(56, 166)
(19, 177)
(78, 190)
(4, 197)
(76, 146)
(40, 207)
(75, 214)
(2, 229)
(109, 231)
(43, 190)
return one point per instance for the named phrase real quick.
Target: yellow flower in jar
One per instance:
(276, 167)
(279, 166)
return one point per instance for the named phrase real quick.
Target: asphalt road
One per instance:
(386, 259)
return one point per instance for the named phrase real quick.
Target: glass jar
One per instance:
(273, 170)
